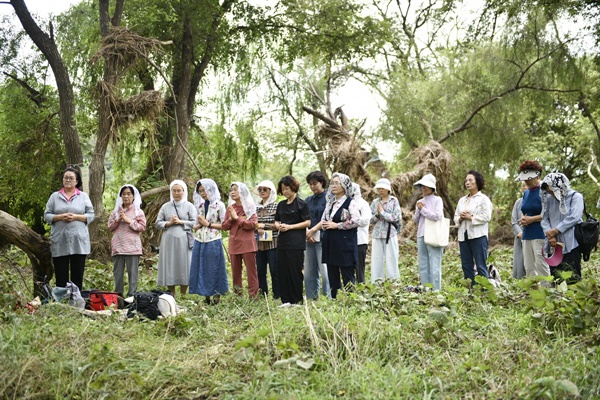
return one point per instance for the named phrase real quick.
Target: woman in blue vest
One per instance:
(340, 221)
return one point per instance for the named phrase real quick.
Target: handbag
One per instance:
(190, 235)
(267, 236)
(102, 300)
(437, 232)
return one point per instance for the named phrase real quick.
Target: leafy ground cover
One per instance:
(521, 340)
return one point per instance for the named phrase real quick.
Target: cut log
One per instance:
(37, 247)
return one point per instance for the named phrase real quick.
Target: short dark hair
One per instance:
(79, 184)
(478, 179)
(317, 176)
(127, 187)
(290, 182)
(530, 165)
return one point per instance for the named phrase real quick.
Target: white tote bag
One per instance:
(437, 232)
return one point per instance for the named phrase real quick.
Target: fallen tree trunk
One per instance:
(37, 247)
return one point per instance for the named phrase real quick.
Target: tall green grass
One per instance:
(377, 342)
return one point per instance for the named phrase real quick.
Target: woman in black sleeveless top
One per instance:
(340, 221)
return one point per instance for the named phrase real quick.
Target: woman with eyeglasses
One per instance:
(127, 222)
(69, 211)
(176, 219)
(340, 240)
(267, 237)
(240, 221)
(291, 219)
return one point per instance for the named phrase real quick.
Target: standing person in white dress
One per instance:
(363, 231)
(176, 218)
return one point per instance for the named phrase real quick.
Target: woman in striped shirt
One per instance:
(127, 222)
(267, 237)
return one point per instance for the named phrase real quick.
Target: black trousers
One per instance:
(291, 279)
(571, 262)
(264, 257)
(334, 271)
(75, 264)
(360, 267)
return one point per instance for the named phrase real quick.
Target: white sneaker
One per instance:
(285, 305)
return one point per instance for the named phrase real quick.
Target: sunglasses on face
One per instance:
(263, 189)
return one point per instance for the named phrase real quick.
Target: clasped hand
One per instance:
(329, 225)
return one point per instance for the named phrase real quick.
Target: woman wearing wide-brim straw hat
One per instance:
(387, 218)
(429, 207)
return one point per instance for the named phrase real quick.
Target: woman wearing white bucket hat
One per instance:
(387, 218)
(430, 257)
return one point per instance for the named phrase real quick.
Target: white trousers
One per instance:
(384, 259)
(535, 264)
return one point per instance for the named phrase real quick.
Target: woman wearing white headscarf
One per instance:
(363, 231)
(176, 218)
(267, 237)
(127, 222)
(429, 207)
(208, 274)
(340, 221)
(561, 211)
(240, 220)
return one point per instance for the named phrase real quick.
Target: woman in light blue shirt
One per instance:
(69, 211)
(562, 210)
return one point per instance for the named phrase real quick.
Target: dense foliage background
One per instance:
(148, 91)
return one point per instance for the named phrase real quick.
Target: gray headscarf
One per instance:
(346, 185)
(558, 184)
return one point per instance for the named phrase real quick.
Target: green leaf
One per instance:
(567, 386)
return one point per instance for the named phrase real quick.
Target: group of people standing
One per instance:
(311, 246)
(544, 218)
(319, 243)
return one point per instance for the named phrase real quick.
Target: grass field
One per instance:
(519, 341)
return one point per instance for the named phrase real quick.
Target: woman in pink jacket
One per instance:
(127, 222)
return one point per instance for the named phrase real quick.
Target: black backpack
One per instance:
(586, 234)
(145, 304)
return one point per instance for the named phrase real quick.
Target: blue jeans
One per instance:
(430, 263)
(313, 267)
(262, 258)
(474, 252)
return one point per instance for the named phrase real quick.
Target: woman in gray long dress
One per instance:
(176, 218)
(518, 262)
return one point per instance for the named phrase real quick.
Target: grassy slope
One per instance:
(378, 342)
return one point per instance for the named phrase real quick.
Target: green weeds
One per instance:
(522, 340)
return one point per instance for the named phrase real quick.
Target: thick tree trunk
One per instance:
(106, 121)
(48, 47)
(37, 247)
